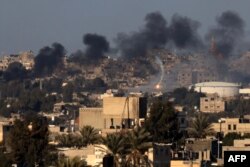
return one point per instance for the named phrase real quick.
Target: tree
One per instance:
(29, 141)
(89, 135)
(115, 145)
(228, 140)
(200, 127)
(72, 162)
(138, 142)
(68, 140)
(162, 122)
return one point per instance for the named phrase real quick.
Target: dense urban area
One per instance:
(164, 97)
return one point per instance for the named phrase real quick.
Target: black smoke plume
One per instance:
(49, 58)
(153, 35)
(227, 33)
(97, 45)
(183, 32)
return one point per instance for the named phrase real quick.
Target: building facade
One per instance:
(212, 104)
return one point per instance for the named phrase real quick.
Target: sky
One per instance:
(33, 24)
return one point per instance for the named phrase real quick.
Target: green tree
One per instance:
(28, 140)
(72, 162)
(228, 140)
(115, 145)
(89, 135)
(200, 126)
(138, 142)
(68, 140)
(162, 122)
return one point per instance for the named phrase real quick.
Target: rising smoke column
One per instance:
(49, 58)
(97, 45)
(227, 33)
(153, 35)
(159, 83)
(183, 32)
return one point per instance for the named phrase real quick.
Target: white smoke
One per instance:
(160, 63)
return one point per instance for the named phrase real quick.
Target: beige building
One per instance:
(92, 154)
(116, 113)
(25, 58)
(229, 125)
(212, 104)
(185, 163)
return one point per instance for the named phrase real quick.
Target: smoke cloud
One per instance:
(156, 34)
(183, 32)
(49, 58)
(97, 45)
(227, 33)
(153, 35)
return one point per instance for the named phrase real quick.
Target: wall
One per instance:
(92, 117)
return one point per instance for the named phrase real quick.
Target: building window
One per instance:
(212, 99)
(206, 100)
(234, 127)
(206, 107)
(229, 127)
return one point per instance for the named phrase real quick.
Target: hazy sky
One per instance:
(33, 24)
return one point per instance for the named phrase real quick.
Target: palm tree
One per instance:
(138, 142)
(89, 135)
(73, 162)
(68, 140)
(114, 145)
(200, 127)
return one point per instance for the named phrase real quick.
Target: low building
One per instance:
(221, 89)
(245, 93)
(239, 145)
(212, 104)
(93, 155)
(160, 154)
(116, 113)
(185, 163)
(230, 125)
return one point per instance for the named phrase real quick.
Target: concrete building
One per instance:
(116, 113)
(25, 58)
(93, 154)
(239, 145)
(245, 93)
(229, 125)
(185, 163)
(212, 104)
(188, 77)
(160, 154)
(222, 89)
